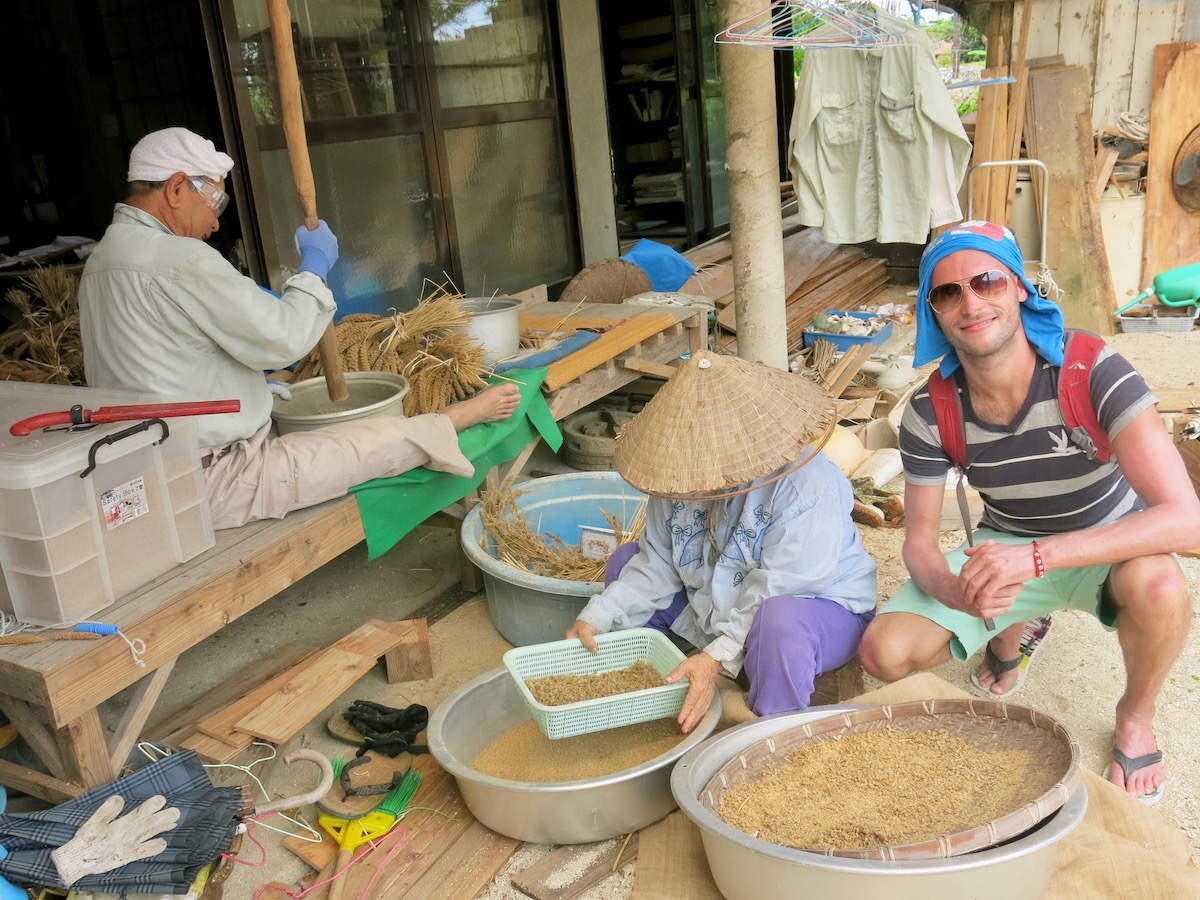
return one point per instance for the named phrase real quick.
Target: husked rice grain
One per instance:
(559, 690)
(525, 754)
(881, 787)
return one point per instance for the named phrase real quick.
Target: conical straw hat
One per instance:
(720, 422)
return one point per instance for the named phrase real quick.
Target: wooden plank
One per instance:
(183, 722)
(1177, 399)
(36, 735)
(1074, 243)
(585, 864)
(220, 725)
(616, 340)
(85, 756)
(372, 639)
(803, 255)
(671, 862)
(467, 867)
(646, 366)
(318, 854)
(1106, 158)
(145, 695)
(412, 658)
(285, 713)
(1110, 96)
(429, 831)
(212, 750)
(37, 784)
(1172, 232)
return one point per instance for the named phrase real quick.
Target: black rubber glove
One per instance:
(387, 730)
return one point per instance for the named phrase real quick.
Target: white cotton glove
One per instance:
(278, 387)
(104, 842)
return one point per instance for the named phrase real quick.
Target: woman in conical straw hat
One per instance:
(749, 553)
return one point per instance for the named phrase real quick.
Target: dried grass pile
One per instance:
(520, 545)
(426, 345)
(44, 346)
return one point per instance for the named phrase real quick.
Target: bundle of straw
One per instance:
(521, 546)
(44, 346)
(426, 345)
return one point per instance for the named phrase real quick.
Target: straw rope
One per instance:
(426, 345)
(44, 346)
(520, 545)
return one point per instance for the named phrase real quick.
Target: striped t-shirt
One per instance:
(1032, 478)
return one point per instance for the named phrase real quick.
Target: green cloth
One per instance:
(392, 507)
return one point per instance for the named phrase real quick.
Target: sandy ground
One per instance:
(1077, 675)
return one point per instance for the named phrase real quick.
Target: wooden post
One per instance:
(755, 222)
(292, 114)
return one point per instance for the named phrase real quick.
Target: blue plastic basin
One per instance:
(532, 609)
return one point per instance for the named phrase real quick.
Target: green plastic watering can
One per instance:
(1175, 287)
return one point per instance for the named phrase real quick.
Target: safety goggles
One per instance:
(216, 198)
(989, 285)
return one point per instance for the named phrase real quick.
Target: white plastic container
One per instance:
(74, 541)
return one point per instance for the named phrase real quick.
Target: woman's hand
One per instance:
(701, 670)
(586, 634)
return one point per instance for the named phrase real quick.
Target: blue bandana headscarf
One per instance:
(1042, 318)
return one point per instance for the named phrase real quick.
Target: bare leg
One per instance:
(492, 404)
(1155, 614)
(898, 644)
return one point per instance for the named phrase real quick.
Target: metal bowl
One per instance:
(569, 812)
(369, 394)
(747, 868)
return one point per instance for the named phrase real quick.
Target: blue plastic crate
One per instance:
(849, 341)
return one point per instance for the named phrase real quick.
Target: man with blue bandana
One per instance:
(1060, 528)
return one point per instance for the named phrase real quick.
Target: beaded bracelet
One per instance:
(1039, 565)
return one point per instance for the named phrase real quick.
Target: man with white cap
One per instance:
(162, 312)
(1064, 525)
(749, 553)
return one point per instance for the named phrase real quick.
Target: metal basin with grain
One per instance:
(747, 868)
(570, 812)
(370, 394)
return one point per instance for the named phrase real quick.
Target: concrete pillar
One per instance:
(755, 224)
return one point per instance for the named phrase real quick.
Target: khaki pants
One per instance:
(267, 476)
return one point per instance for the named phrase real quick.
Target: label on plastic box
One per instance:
(124, 503)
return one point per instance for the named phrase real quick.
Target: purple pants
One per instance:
(791, 641)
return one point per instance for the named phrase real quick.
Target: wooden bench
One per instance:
(52, 690)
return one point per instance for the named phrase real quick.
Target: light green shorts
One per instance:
(1082, 589)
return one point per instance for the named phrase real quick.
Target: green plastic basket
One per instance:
(618, 650)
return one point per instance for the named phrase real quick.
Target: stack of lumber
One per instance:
(817, 277)
(276, 697)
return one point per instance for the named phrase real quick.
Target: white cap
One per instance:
(161, 154)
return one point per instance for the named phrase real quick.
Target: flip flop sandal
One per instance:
(1031, 639)
(339, 727)
(363, 783)
(1129, 766)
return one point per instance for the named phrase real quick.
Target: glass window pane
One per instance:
(352, 56)
(509, 203)
(375, 196)
(490, 52)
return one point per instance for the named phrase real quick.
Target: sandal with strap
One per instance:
(1031, 639)
(1129, 766)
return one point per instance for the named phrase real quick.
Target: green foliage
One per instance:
(969, 105)
(974, 56)
(942, 30)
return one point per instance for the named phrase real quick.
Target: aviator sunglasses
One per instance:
(989, 285)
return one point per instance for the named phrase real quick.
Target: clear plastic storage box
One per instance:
(73, 541)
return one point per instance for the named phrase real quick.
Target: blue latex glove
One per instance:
(318, 249)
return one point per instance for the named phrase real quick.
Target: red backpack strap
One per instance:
(947, 409)
(1074, 396)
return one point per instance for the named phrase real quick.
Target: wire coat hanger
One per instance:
(817, 24)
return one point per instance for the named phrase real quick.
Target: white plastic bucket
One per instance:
(494, 325)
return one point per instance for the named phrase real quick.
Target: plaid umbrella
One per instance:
(208, 817)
